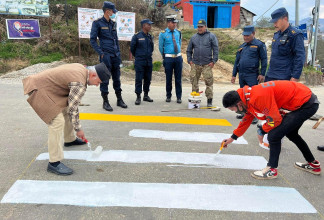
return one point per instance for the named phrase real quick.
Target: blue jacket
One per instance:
(288, 54)
(166, 42)
(107, 34)
(142, 47)
(248, 58)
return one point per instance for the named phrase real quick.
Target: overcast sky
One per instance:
(258, 7)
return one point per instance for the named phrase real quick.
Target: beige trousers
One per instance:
(60, 123)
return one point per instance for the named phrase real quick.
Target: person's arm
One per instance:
(93, 38)
(133, 45)
(161, 44)
(77, 91)
(263, 58)
(237, 60)
(190, 51)
(243, 125)
(298, 50)
(214, 48)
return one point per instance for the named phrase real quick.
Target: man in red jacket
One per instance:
(285, 105)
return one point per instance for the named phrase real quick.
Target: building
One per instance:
(246, 17)
(217, 13)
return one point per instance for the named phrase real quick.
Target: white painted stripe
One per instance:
(219, 161)
(185, 136)
(160, 195)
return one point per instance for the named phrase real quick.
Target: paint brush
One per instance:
(96, 152)
(221, 148)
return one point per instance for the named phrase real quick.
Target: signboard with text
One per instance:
(24, 7)
(23, 28)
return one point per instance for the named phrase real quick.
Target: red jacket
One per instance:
(265, 100)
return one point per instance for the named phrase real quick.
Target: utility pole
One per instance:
(297, 14)
(316, 16)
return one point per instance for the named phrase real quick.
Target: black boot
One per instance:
(106, 104)
(138, 99)
(147, 98)
(120, 101)
(209, 102)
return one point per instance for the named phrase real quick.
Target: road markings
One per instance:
(127, 156)
(160, 195)
(154, 119)
(184, 136)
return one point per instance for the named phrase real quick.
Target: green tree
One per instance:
(263, 22)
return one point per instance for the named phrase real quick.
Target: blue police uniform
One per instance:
(247, 62)
(172, 60)
(288, 55)
(109, 47)
(142, 47)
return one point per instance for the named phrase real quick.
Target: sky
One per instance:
(258, 7)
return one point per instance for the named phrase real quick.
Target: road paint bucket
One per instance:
(194, 101)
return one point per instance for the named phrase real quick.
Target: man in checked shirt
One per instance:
(55, 95)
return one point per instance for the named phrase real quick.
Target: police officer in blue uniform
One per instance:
(170, 48)
(142, 47)
(247, 61)
(105, 29)
(288, 52)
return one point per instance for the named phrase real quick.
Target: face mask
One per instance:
(113, 16)
(239, 111)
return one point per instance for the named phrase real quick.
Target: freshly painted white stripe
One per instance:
(160, 195)
(219, 161)
(184, 136)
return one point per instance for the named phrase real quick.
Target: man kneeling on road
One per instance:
(285, 105)
(55, 94)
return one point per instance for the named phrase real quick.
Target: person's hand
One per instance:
(227, 141)
(80, 134)
(261, 79)
(191, 63)
(294, 80)
(102, 55)
(233, 79)
(211, 64)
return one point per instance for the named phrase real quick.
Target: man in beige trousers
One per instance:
(55, 95)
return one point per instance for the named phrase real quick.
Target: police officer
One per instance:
(170, 48)
(105, 29)
(247, 61)
(142, 47)
(288, 52)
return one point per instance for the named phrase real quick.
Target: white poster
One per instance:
(125, 23)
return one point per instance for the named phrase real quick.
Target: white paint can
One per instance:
(194, 101)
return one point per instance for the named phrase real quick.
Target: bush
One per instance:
(157, 66)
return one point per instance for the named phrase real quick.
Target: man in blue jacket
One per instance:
(105, 29)
(288, 52)
(170, 49)
(142, 47)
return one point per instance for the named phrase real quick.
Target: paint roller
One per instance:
(96, 153)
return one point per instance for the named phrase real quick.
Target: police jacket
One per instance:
(204, 48)
(142, 47)
(107, 33)
(166, 42)
(288, 54)
(248, 58)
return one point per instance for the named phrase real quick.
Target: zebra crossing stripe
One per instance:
(184, 136)
(160, 195)
(127, 156)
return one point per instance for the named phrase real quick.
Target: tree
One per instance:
(263, 22)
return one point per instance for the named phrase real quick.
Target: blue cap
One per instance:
(109, 5)
(247, 30)
(146, 21)
(279, 13)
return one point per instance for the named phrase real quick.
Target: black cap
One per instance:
(109, 5)
(248, 30)
(102, 72)
(146, 21)
(202, 22)
(172, 18)
(279, 13)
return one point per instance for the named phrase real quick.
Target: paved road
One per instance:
(24, 136)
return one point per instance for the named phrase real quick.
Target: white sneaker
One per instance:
(265, 174)
(264, 146)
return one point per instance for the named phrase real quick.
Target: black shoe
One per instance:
(77, 141)
(121, 103)
(107, 106)
(179, 101)
(239, 116)
(255, 121)
(321, 148)
(147, 98)
(138, 99)
(209, 102)
(61, 169)
(168, 100)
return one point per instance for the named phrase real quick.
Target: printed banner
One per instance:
(125, 23)
(23, 28)
(24, 7)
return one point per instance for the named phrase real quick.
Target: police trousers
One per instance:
(143, 73)
(250, 79)
(112, 62)
(173, 65)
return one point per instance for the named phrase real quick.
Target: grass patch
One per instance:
(311, 70)
(47, 59)
(157, 66)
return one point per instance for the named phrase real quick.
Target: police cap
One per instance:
(109, 5)
(146, 21)
(248, 30)
(277, 14)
